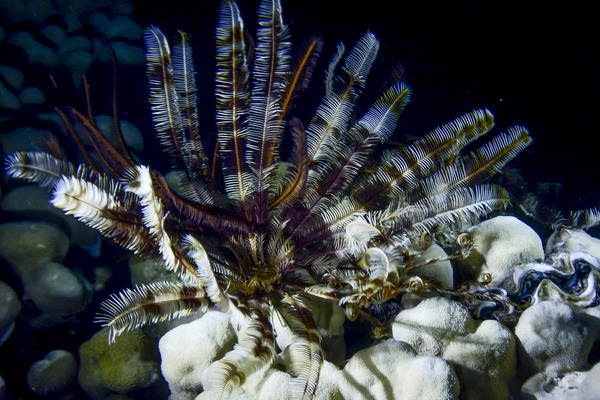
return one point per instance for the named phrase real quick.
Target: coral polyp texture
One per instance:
(277, 215)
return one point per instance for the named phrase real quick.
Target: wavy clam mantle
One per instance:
(254, 231)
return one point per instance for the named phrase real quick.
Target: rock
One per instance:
(36, 52)
(129, 366)
(10, 307)
(72, 44)
(132, 135)
(500, 244)
(54, 33)
(393, 370)
(8, 99)
(144, 270)
(102, 275)
(12, 76)
(26, 245)
(32, 95)
(126, 53)
(99, 21)
(122, 7)
(78, 62)
(36, 12)
(552, 339)
(55, 289)
(483, 353)
(54, 377)
(32, 201)
(124, 27)
(23, 139)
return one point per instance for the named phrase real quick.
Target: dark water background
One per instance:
(528, 62)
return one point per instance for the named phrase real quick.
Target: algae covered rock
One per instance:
(26, 245)
(128, 366)
(10, 307)
(55, 289)
(55, 376)
(32, 201)
(482, 353)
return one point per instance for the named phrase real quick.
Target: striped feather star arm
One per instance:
(196, 252)
(269, 78)
(334, 113)
(583, 219)
(305, 350)
(479, 165)
(265, 126)
(233, 101)
(139, 182)
(104, 205)
(293, 175)
(473, 125)
(452, 208)
(203, 216)
(382, 118)
(254, 350)
(40, 168)
(300, 73)
(195, 160)
(330, 218)
(152, 303)
(164, 101)
(400, 171)
(355, 147)
(353, 150)
(489, 159)
(91, 197)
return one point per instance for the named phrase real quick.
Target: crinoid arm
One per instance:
(305, 351)
(205, 273)
(254, 350)
(174, 109)
(583, 219)
(156, 302)
(139, 182)
(233, 103)
(40, 168)
(92, 197)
